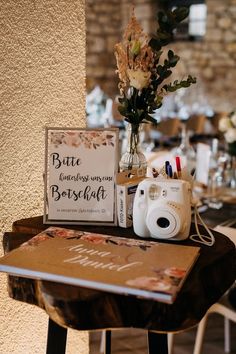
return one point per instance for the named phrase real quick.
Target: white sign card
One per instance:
(203, 163)
(81, 165)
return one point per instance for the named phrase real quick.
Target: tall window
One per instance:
(197, 20)
(194, 27)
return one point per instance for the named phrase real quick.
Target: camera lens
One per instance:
(163, 223)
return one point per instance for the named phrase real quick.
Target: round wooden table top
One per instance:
(86, 309)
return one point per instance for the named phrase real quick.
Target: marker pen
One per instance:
(166, 166)
(169, 170)
(178, 166)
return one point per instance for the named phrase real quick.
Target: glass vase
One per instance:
(232, 176)
(133, 158)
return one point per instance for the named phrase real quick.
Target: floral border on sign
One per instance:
(89, 139)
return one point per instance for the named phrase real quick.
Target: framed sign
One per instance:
(80, 169)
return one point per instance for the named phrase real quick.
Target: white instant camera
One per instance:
(162, 209)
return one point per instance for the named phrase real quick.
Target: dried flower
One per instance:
(140, 73)
(133, 54)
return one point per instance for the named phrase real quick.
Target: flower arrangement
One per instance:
(140, 71)
(227, 125)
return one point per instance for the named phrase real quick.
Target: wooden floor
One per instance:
(134, 341)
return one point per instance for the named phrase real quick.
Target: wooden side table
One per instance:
(86, 309)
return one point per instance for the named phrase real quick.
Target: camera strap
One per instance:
(207, 240)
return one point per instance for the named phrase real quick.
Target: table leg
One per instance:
(157, 343)
(108, 342)
(56, 342)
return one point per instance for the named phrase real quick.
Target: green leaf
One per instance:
(155, 44)
(170, 54)
(166, 62)
(140, 112)
(122, 110)
(172, 87)
(174, 60)
(166, 74)
(163, 35)
(160, 70)
(158, 100)
(180, 13)
(135, 49)
(149, 119)
(162, 17)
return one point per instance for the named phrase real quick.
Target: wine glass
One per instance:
(217, 180)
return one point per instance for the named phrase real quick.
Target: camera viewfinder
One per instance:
(153, 192)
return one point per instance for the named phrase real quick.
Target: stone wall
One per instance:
(212, 60)
(105, 23)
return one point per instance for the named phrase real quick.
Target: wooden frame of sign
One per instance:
(80, 169)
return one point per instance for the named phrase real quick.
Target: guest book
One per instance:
(147, 269)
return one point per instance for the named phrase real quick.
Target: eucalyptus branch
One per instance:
(176, 85)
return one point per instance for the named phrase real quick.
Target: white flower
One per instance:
(230, 135)
(224, 124)
(233, 119)
(138, 78)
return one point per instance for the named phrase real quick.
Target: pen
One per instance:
(178, 166)
(169, 170)
(166, 166)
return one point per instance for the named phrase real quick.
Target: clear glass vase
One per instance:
(133, 158)
(232, 175)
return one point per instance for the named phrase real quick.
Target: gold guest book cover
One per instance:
(146, 269)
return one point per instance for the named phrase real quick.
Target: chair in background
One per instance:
(169, 127)
(196, 123)
(223, 308)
